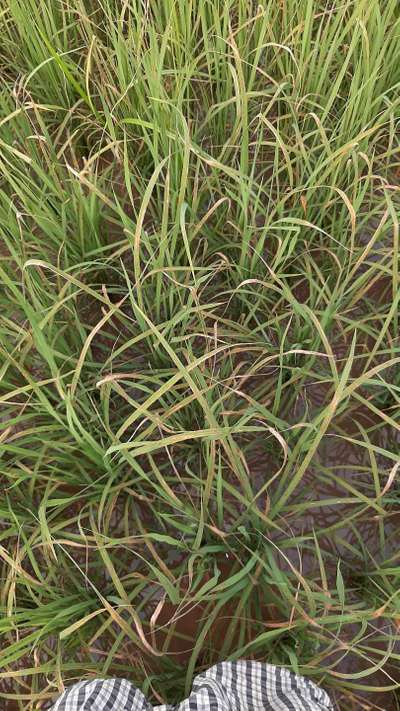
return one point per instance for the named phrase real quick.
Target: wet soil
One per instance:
(341, 466)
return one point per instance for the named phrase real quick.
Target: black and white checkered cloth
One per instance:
(228, 686)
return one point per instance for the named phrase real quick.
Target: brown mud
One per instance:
(341, 467)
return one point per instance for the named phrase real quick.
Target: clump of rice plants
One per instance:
(199, 339)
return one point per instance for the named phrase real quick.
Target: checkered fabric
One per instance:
(229, 686)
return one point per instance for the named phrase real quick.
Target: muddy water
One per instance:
(338, 465)
(339, 471)
(347, 662)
